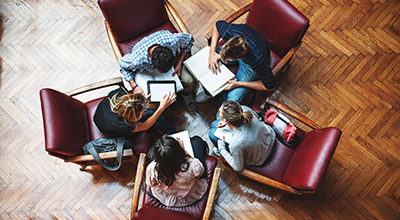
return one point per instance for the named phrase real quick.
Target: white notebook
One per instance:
(184, 136)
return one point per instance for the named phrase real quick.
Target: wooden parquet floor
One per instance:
(346, 74)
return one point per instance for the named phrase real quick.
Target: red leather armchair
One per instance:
(296, 170)
(152, 209)
(128, 21)
(281, 24)
(68, 125)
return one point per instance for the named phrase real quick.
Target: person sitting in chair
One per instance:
(247, 47)
(252, 140)
(160, 51)
(176, 179)
(122, 114)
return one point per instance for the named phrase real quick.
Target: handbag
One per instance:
(106, 144)
(283, 127)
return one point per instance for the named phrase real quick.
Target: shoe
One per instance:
(216, 151)
(201, 95)
(167, 112)
(189, 101)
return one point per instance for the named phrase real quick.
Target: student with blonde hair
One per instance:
(252, 140)
(122, 114)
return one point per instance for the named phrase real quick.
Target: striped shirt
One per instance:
(139, 60)
(259, 51)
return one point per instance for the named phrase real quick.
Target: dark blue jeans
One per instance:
(160, 125)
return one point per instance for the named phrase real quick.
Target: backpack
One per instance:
(106, 144)
(285, 131)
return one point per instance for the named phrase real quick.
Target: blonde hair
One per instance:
(233, 113)
(130, 107)
(235, 48)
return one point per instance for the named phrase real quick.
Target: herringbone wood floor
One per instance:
(346, 74)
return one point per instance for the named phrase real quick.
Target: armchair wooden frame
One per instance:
(234, 16)
(139, 179)
(268, 181)
(84, 160)
(171, 11)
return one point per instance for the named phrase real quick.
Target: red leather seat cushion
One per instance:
(126, 46)
(311, 158)
(152, 213)
(65, 123)
(283, 28)
(197, 208)
(128, 18)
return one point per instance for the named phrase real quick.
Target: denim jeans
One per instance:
(244, 74)
(160, 125)
(213, 128)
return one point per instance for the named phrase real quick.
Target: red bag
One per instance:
(283, 127)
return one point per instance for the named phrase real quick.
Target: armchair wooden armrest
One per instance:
(285, 59)
(113, 42)
(138, 183)
(97, 85)
(104, 156)
(293, 113)
(231, 18)
(174, 14)
(211, 194)
(268, 181)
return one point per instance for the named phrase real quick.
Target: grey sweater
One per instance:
(251, 143)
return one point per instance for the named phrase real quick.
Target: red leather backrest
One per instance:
(279, 22)
(311, 158)
(128, 18)
(65, 122)
(152, 213)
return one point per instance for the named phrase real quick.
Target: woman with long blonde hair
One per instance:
(124, 114)
(252, 140)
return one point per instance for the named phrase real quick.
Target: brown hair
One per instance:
(235, 48)
(170, 159)
(130, 106)
(233, 113)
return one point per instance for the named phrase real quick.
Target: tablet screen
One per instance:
(158, 89)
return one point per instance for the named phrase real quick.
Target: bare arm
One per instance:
(166, 101)
(136, 88)
(213, 55)
(178, 68)
(256, 85)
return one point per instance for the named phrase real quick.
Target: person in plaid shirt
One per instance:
(160, 50)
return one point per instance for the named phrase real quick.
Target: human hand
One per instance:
(213, 62)
(221, 144)
(178, 70)
(231, 85)
(221, 124)
(139, 90)
(167, 100)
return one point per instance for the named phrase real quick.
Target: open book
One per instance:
(142, 78)
(197, 64)
(184, 136)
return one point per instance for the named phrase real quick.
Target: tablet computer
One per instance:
(158, 89)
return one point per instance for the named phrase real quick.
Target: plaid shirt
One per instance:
(138, 60)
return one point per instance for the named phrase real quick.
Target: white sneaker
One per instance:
(201, 95)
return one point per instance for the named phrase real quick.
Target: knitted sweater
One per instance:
(251, 143)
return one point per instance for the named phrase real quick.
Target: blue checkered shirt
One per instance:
(138, 60)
